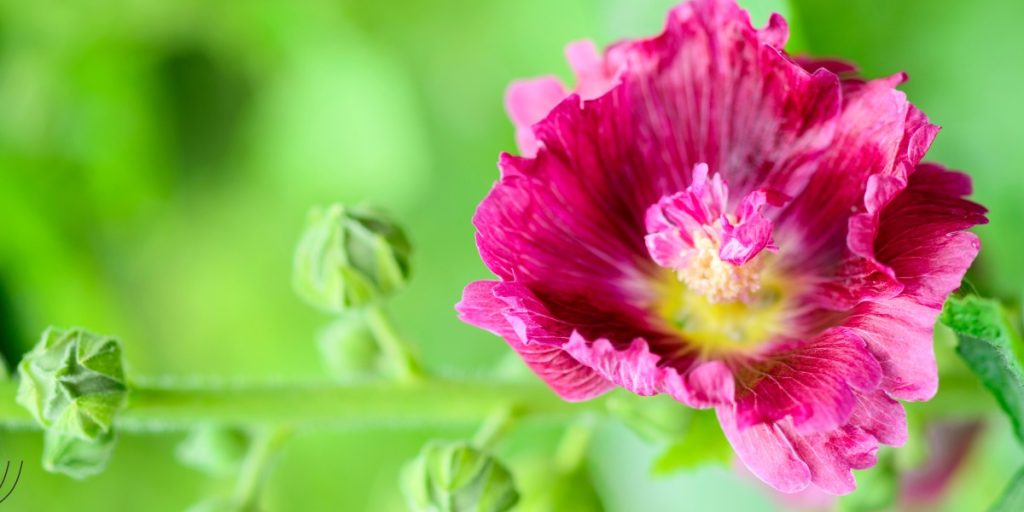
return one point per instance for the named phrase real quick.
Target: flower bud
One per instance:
(348, 348)
(76, 457)
(214, 450)
(456, 477)
(73, 382)
(349, 257)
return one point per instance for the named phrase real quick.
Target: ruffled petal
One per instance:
(527, 102)
(572, 381)
(856, 280)
(541, 226)
(813, 383)
(919, 235)
(898, 332)
(766, 451)
(879, 133)
(831, 457)
(639, 370)
(789, 460)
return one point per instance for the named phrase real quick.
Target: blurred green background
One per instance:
(157, 159)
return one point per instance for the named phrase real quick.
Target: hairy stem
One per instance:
(496, 426)
(399, 354)
(572, 449)
(265, 446)
(170, 406)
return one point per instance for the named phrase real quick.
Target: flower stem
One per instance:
(496, 426)
(574, 444)
(265, 445)
(397, 351)
(173, 406)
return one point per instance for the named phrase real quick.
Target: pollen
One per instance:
(717, 280)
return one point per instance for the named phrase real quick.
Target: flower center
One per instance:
(724, 295)
(718, 280)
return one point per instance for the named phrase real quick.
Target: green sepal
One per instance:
(76, 457)
(73, 383)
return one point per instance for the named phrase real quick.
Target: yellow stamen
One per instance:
(719, 281)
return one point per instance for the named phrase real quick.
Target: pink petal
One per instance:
(527, 102)
(639, 370)
(812, 382)
(766, 452)
(567, 377)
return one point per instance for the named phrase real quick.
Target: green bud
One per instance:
(348, 347)
(214, 450)
(655, 418)
(349, 257)
(76, 457)
(73, 382)
(456, 477)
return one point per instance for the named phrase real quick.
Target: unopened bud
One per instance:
(350, 257)
(73, 383)
(76, 457)
(214, 450)
(348, 347)
(457, 477)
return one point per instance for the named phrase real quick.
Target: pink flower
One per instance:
(708, 218)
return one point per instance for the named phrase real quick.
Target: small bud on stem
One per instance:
(350, 257)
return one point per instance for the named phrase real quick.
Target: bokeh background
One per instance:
(157, 159)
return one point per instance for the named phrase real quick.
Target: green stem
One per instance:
(574, 444)
(396, 350)
(266, 444)
(495, 427)
(323, 404)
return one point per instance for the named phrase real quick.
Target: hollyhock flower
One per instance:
(707, 217)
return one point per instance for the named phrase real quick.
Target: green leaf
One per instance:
(1012, 499)
(703, 443)
(988, 343)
